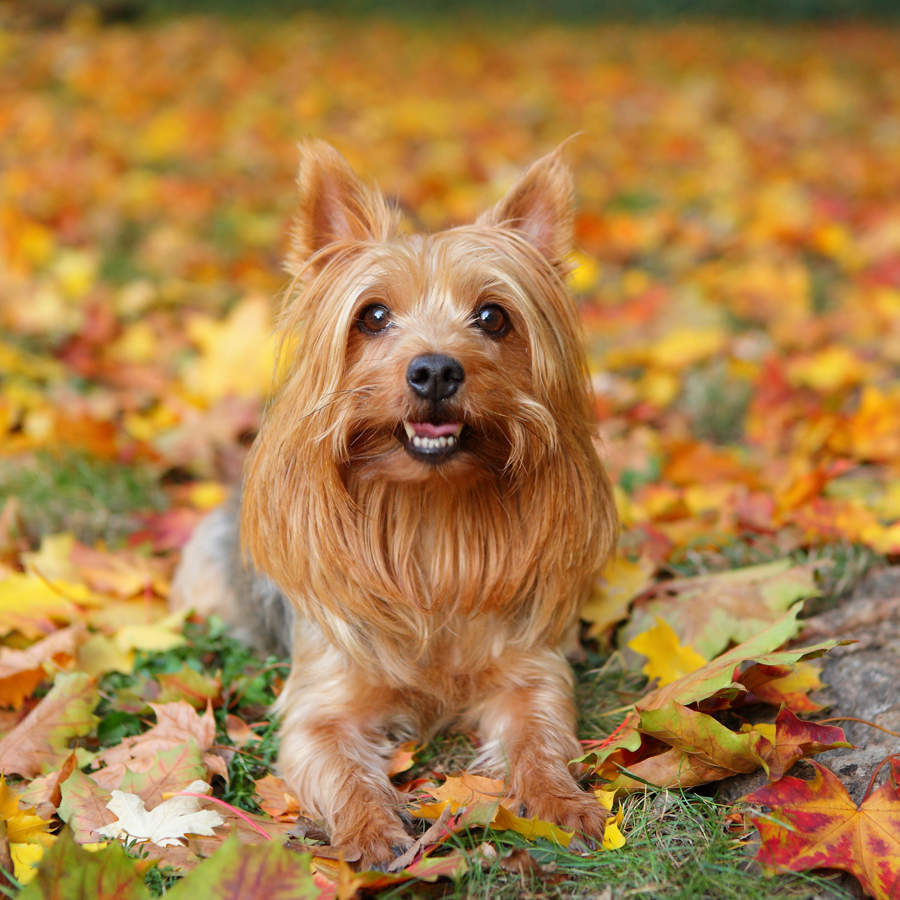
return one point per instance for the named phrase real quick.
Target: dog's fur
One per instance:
(421, 591)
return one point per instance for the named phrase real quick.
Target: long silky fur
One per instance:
(347, 549)
(421, 593)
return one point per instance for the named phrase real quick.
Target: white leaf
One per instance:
(166, 824)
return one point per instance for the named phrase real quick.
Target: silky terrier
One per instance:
(423, 511)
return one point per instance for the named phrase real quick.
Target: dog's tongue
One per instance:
(428, 429)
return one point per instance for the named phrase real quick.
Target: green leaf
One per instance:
(68, 872)
(238, 871)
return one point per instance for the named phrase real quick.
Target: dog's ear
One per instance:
(541, 207)
(335, 206)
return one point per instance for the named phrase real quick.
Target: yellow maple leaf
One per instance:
(100, 654)
(245, 335)
(157, 636)
(667, 659)
(620, 582)
(832, 369)
(27, 833)
(28, 604)
(684, 347)
(53, 558)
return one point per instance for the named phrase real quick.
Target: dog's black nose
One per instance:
(434, 376)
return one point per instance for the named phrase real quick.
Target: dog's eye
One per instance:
(374, 318)
(492, 320)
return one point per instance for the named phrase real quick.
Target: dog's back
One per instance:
(212, 578)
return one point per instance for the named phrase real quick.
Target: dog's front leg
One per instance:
(335, 758)
(527, 726)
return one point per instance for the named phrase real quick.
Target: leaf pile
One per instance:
(738, 277)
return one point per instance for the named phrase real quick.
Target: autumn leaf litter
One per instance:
(738, 275)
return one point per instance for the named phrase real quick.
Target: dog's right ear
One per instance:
(335, 206)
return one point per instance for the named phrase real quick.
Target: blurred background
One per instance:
(737, 268)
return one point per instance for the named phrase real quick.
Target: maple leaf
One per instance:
(190, 685)
(796, 739)
(83, 806)
(69, 872)
(276, 799)
(30, 605)
(44, 792)
(702, 749)
(777, 685)
(171, 750)
(166, 824)
(667, 659)
(40, 741)
(21, 671)
(157, 636)
(466, 790)
(237, 872)
(815, 824)
(27, 833)
(709, 612)
(716, 680)
(620, 582)
(213, 374)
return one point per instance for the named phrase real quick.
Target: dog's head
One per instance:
(413, 358)
(432, 430)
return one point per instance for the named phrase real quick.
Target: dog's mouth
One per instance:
(431, 442)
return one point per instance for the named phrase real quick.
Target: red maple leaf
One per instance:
(816, 825)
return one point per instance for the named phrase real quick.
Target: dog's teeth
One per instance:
(417, 441)
(442, 442)
(410, 431)
(458, 430)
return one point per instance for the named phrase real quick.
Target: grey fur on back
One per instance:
(212, 578)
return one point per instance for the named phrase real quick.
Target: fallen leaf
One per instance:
(28, 834)
(166, 824)
(276, 799)
(83, 806)
(157, 637)
(620, 582)
(69, 872)
(467, 789)
(796, 739)
(21, 671)
(667, 659)
(238, 872)
(32, 606)
(39, 742)
(814, 824)
(711, 611)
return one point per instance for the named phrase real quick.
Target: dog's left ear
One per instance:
(540, 206)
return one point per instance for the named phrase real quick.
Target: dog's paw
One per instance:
(575, 811)
(372, 843)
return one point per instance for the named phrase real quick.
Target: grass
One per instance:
(678, 844)
(678, 848)
(73, 491)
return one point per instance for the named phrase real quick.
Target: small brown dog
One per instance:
(425, 493)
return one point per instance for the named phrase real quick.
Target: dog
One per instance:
(423, 511)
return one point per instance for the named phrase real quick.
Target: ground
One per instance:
(737, 273)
